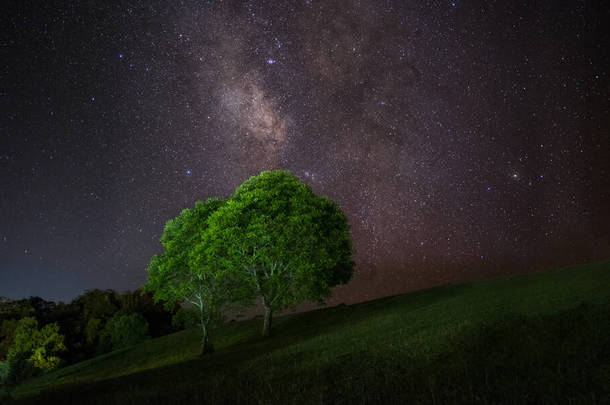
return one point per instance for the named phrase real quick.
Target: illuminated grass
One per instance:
(491, 341)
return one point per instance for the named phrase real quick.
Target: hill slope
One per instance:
(532, 338)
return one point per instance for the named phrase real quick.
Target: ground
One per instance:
(540, 337)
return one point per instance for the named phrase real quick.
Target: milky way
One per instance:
(462, 139)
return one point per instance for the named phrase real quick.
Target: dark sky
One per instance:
(463, 139)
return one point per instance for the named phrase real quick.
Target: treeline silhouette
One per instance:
(93, 323)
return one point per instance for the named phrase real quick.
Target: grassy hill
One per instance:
(540, 337)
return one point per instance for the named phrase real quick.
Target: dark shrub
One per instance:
(124, 330)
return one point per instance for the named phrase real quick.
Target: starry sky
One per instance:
(463, 139)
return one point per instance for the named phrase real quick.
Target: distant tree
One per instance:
(7, 332)
(290, 244)
(158, 316)
(34, 348)
(69, 318)
(185, 318)
(181, 274)
(15, 309)
(95, 307)
(43, 309)
(125, 330)
(4, 373)
(92, 330)
(101, 304)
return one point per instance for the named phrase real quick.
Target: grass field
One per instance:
(536, 338)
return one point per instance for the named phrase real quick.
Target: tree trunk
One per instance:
(206, 344)
(267, 321)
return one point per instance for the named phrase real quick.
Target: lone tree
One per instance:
(182, 274)
(287, 243)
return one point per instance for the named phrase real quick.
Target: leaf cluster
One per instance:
(291, 244)
(125, 330)
(183, 272)
(38, 348)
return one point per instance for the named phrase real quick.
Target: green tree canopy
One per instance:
(96, 307)
(15, 309)
(288, 243)
(181, 273)
(126, 329)
(38, 348)
(185, 318)
(157, 314)
(7, 332)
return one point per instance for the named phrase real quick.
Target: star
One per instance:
(407, 119)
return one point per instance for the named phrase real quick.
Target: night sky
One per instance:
(463, 139)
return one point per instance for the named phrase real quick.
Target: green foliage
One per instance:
(288, 243)
(49, 342)
(157, 314)
(34, 349)
(25, 336)
(183, 273)
(125, 330)
(82, 321)
(93, 329)
(7, 332)
(70, 319)
(171, 275)
(19, 368)
(42, 309)
(4, 369)
(185, 318)
(95, 308)
(15, 309)
(101, 304)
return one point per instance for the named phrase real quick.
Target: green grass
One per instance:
(540, 337)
